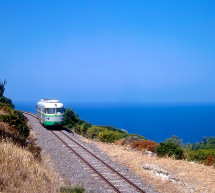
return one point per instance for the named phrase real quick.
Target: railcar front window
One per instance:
(59, 110)
(50, 111)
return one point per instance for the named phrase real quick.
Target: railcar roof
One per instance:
(50, 105)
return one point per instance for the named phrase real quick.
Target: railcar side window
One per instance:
(59, 110)
(50, 111)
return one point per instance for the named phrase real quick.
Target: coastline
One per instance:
(190, 123)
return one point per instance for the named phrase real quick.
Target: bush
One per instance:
(144, 144)
(174, 139)
(113, 129)
(35, 150)
(93, 132)
(210, 160)
(17, 129)
(81, 129)
(110, 136)
(7, 101)
(169, 149)
(206, 143)
(6, 108)
(16, 120)
(201, 155)
(76, 189)
(71, 118)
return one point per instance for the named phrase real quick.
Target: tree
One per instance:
(204, 141)
(174, 139)
(71, 118)
(196, 146)
(211, 141)
(4, 99)
(2, 88)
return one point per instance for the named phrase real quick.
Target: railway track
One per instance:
(117, 181)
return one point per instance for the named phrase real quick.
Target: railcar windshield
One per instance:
(59, 110)
(50, 111)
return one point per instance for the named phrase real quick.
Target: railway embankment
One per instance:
(21, 167)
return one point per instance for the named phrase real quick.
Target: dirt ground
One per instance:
(164, 174)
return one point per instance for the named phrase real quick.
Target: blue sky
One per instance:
(108, 51)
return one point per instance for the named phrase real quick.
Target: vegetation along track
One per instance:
(113, 178)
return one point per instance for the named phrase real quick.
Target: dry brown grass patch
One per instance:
(20, 172)
(123, 142)
(4, 127)
(146, 144)
(210, 160)
(2, 112)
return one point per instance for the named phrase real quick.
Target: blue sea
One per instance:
(155, 122)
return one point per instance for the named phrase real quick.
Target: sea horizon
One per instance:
(155, 121)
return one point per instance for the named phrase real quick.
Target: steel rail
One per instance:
(86, 163)
(124, 178)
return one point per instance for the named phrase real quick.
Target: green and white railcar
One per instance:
(50, 112)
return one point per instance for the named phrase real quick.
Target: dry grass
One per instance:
(164, 174)
(210, 160)
(144, 145)
(2, 112)
(20, 172)
(4, 127)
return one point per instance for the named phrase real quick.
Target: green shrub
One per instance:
(174, 139)
(18, 130)
(35, 150)
(201, 155)
(110, 136)
(71, 118)
(113, 128)
(93, 132)
(16, 120)
(6, 108)
(169, 149)
(179, 153)
(81, 129)
(76, 189)
(206, 143)
(7, 101)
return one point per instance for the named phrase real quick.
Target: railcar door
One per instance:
(41, 115)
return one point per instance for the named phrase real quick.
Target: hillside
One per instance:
(21, 168)
(163, 174)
